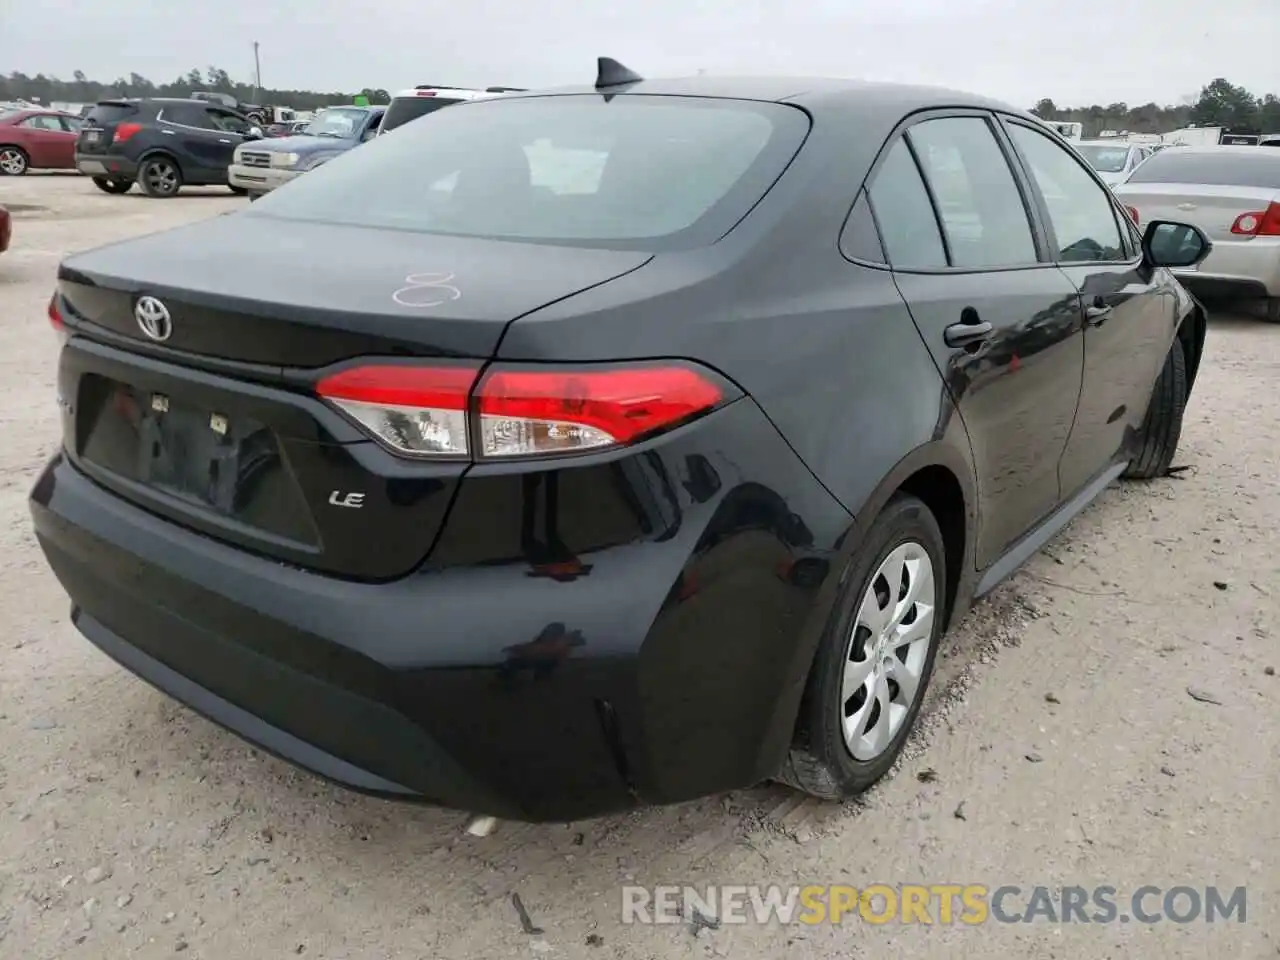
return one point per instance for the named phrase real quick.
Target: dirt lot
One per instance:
(1061, 721)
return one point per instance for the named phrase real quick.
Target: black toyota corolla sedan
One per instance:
(576, 450)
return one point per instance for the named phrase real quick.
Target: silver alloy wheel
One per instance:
(162, 176)
(888, 650)
(13, 162)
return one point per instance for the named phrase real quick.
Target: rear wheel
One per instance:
(108, 185)
(874, 662)
(1163, 424)
(1272, 311)
(14, 161)
(160, 177)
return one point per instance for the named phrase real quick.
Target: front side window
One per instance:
(1080, 209)
(632, 171)
(978, 200)
(904, 213)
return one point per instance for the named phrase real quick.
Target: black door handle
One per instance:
(966, 334)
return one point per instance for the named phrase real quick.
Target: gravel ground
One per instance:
(1061, 745)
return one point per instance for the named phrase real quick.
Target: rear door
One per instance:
(1003, 325)
(1129, 311)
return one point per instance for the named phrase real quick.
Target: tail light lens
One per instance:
(1133, 215)
(1262, 223)
(520, 410)
(528, 411)
(124, 131)
(55, 315)
(416, 411)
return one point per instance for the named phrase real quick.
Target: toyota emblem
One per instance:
(153, 318)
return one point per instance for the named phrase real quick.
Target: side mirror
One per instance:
(255, 133)
(1169, 244)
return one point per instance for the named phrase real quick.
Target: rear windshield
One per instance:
(1104, 159)
(1228, 168)
(110, 113)
(631, 171)
(404, 109)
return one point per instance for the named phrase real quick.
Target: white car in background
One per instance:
(1233, 195)
(411, 104)
(1113, 160)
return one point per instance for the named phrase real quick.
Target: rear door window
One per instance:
(1228, 168)
(905, 214)
(978, 200)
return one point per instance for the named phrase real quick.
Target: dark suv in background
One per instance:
(161, 144)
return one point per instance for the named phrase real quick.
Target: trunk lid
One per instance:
(217, 426)
(1213, 208)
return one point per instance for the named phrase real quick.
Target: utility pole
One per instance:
(257, 72)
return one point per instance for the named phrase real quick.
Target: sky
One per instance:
(1077, 52)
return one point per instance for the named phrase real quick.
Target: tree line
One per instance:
(1220, 104)
(80, 89)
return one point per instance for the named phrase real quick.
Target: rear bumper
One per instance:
(654, 669)
(1248, 269)
(259, 179)
(106, 165)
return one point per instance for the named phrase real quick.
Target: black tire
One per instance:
(254, 196)
(108, 185)
(1272, 310)
(1163, 423)
(160, 177)
(14, 161)
(819, 762)
(238, 191)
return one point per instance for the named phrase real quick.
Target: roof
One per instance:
(803, 91)
(1107, 143)
(445, 93)
(1218, 149)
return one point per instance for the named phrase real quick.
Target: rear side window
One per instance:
(404, 109)
(978, 199)
(631, 171)
(860, 241)
(1227, 168)
(105, 113)
(904, 213)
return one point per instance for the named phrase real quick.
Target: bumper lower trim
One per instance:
(227, 715)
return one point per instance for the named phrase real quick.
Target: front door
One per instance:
(49, 144)
(1003, 325)
(1129, 317)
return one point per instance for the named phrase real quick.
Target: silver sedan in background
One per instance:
(1233, 195)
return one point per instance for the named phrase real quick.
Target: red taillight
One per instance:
(425, 93)
(1133, 215)
(124, 131)
(526, 411)
(1258, 223)
(519, 411)
(415, 410)
(55, 315)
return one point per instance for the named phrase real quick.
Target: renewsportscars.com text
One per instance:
(941, 903)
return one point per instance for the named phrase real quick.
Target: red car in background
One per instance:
(37, 140)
